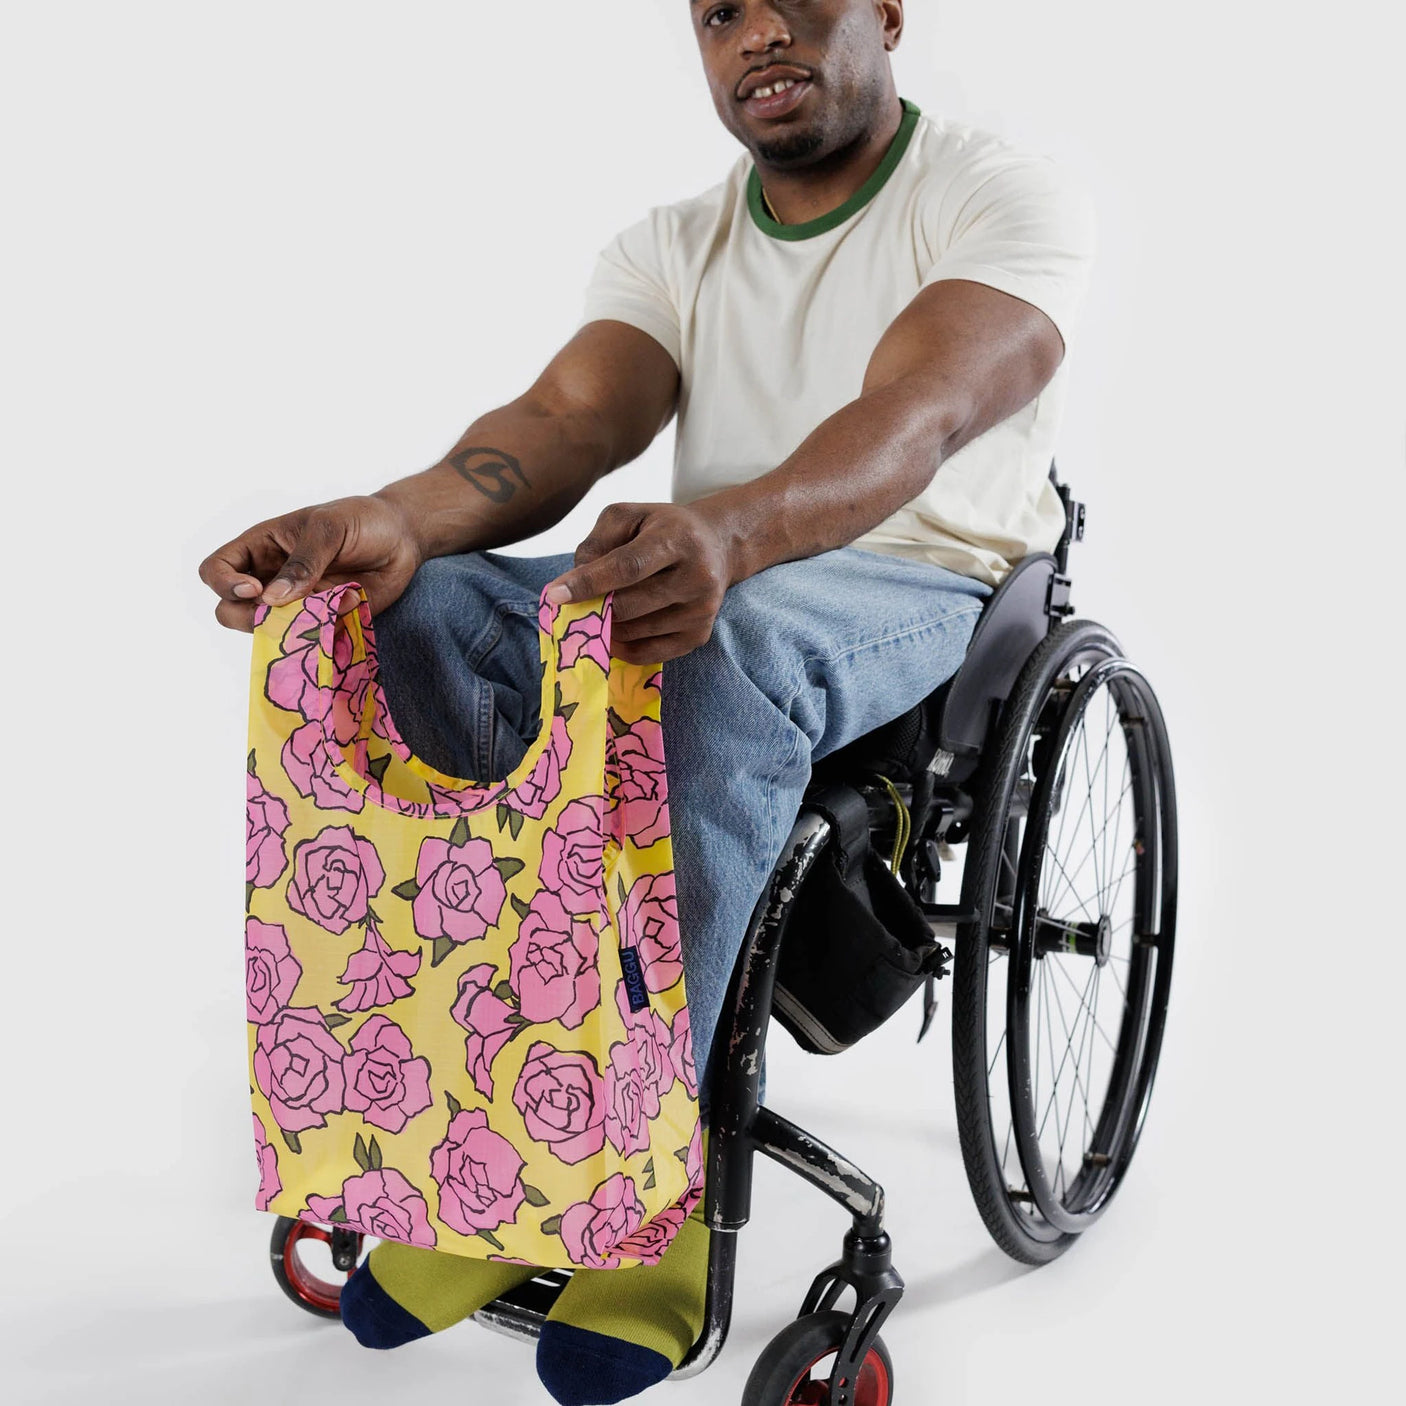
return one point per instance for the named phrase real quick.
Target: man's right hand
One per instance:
(362, 538)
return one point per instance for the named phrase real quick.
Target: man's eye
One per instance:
(713, 14)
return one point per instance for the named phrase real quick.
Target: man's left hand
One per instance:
(669, 565)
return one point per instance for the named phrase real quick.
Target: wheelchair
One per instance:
(1045, 758)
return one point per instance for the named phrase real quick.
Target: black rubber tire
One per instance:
(1056, 653)
(311, 1293)
(801, 1344)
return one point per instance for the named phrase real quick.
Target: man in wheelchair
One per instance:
(863, 330)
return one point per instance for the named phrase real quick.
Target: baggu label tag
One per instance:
(635, 990)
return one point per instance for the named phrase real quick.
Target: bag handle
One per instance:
(348, 618)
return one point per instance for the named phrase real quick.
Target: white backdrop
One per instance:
(258, 254)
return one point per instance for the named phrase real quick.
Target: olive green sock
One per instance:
(441, 1289)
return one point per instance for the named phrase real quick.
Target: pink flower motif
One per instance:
(543, 786)
(631, 1100)
(649, 1039)
(446, 801)
(572, 856)
(642, 787)
(649, 923)
(267, 1155)
(593, 1230)
(681, 1051)
(650, 1241)
(292, 678)
(562, 1102)
(479, 1174)
(335, 875)
(377, 974)
(271, 971)
(553, 964)
(490, 1021)
(298, 1067)
(382, 1204)
(348, 700)
(547, 612)
(265, 823)
(461, 891)
(305, 758)
(585, 637)
(385, 1082)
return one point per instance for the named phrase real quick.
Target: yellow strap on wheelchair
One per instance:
(903, 823)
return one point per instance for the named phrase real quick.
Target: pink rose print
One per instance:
(461, 893)
(543, 786)
(271, 971)
(335, 875)
(490, 1021)
(593, 1230)
(562, 1102)
(649, 1038)
(650, 1241)
(385, 1082)
(585, 637)
(649, 922)
(446, 801)
(681, 1052)
(269, 1184)
(349, 699)
(547, 614)
(309, 767)
(479, 1175)
(572, 859)
(377, 974)
(292, 678)
(382, 1204)
(553, 964)
(642, 788)
(298, 1067)
(630, 1101)
(265, 822)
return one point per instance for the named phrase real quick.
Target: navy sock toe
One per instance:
(581, 1368)
(375, 1319)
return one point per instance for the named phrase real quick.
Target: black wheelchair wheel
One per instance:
(297, 1278)
(1062, 979)
(794, 1370)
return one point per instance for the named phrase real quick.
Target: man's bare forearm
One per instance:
(516, 471)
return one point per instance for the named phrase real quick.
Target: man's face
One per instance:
(833, 52)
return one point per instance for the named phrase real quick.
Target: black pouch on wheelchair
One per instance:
(856, 945)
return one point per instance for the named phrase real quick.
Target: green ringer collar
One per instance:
(809, 228)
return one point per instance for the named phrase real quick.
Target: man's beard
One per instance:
(792, 149)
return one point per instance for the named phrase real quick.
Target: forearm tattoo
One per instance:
(489, 471)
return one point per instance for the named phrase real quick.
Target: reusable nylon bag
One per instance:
(467, 1019)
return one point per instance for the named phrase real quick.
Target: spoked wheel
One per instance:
(1061, 983)
(297, 1254)
(795, 1368)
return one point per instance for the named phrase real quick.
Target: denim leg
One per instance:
(804, 657)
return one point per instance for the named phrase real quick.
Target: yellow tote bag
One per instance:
(467, 1020)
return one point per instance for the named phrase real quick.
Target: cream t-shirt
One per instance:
(772, 325)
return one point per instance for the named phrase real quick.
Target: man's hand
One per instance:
(669, 565)
(363, 538)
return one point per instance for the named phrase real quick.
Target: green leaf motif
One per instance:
(249, 765)
(455, 1107)
(618, 725)
(500, 812)
(363, 1157)
(443, 946)
(682, 1154)
(504, 991)
(620, 887)
(534, 1197)
(520, 906)
(374, 1154)
(339, 1215)
(491, 1238)
(551, 1226)
(335, 1018)
(409, 889)
(557, 701)
(649, 1181)
(514, 822)
(459, 835)
(377, 766)
(291, 1139)
(507, 866)
(248, 893)
(565, 713)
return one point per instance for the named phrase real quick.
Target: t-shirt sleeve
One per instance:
(630, 284)
(1019, 223)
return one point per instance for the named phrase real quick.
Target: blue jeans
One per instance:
(804, 657)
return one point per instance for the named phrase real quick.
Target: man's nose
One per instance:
(763, 29)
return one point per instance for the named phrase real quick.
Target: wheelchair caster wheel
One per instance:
(307, 1289)
(795, 1368)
